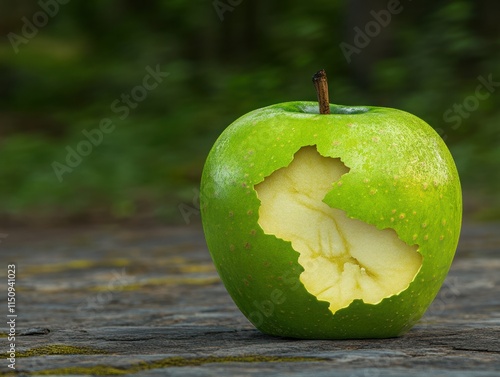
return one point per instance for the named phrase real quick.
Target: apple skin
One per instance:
(401, 176)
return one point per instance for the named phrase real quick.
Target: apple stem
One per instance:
(321, 84)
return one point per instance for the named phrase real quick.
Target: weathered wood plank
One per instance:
(149, 302)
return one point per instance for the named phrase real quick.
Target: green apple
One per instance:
(331, 226)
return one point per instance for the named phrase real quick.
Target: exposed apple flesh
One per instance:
(344, 259)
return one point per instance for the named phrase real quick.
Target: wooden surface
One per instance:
(148, 302)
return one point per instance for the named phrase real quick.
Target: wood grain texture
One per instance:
(149, 302)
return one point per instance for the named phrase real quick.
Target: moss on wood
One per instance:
(102, 370)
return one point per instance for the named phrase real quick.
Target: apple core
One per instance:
(344, 259)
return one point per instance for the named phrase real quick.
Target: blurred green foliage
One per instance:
(64, 80)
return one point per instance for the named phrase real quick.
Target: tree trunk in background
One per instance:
(358, 16)
(487, 21)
